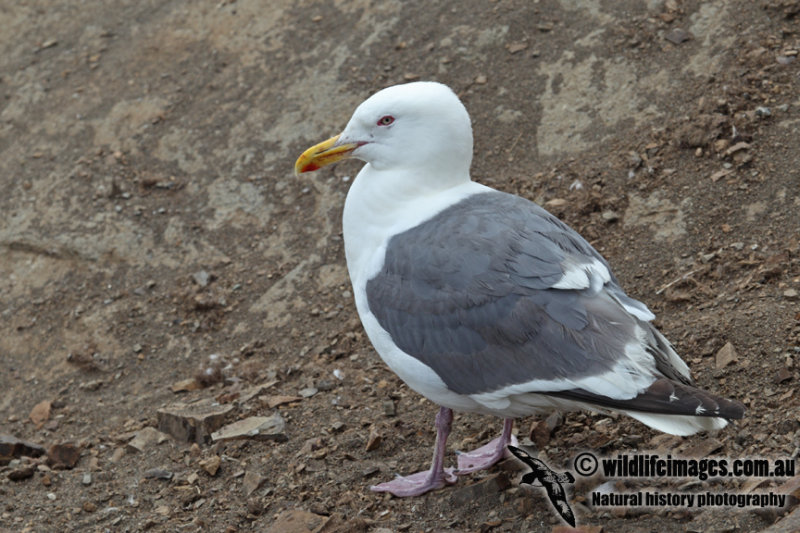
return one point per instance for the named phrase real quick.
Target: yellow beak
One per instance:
(323, 154)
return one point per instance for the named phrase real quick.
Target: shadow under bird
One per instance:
(484, 302)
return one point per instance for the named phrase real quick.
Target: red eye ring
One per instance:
(385, 120)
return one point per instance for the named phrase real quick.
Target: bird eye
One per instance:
(385, 120)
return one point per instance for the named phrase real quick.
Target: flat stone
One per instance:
(308, 392)
(251, 482)
(65, 455)
(194, 422)
(251, 392)
(254, 427)
(726, 356)
(186, 385)
(21, 473)
(297, 521)
(14, 448)
(158, 473)
(677, 36)
(211, 465)
(472, 494)
(146, 438)
(782, 375)
(281, 399)
(516, 47)
(40, 413)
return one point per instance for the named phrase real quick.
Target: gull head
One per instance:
(419, 127)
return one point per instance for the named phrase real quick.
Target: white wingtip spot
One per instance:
(642, 313)
(583, 276)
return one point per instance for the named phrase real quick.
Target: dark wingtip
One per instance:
(668, 397)
(731, 409)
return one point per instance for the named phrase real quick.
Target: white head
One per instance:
(420, 127)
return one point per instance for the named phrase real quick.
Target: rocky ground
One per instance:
(163, 274)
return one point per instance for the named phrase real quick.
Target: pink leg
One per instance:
(433, 479)
(489, 454)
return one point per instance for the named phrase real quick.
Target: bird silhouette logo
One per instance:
(550, 480)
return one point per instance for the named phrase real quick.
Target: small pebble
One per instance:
(19, 474)
(783, 375)
(374, 439)
(308, 392)
(677, 36)
(201, 277)
(158, 473)
(325, 385)
(211, 465)
(610, 216)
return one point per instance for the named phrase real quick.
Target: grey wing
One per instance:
(494, 291)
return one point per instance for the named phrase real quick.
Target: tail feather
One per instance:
(678, 424)
(668, 406)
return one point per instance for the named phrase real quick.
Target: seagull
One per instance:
(482, 301)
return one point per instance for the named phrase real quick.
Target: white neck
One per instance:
(383, 203)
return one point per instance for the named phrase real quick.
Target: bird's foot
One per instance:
(484, 457)
(417, 484)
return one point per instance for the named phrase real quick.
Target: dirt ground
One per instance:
(156, 249)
